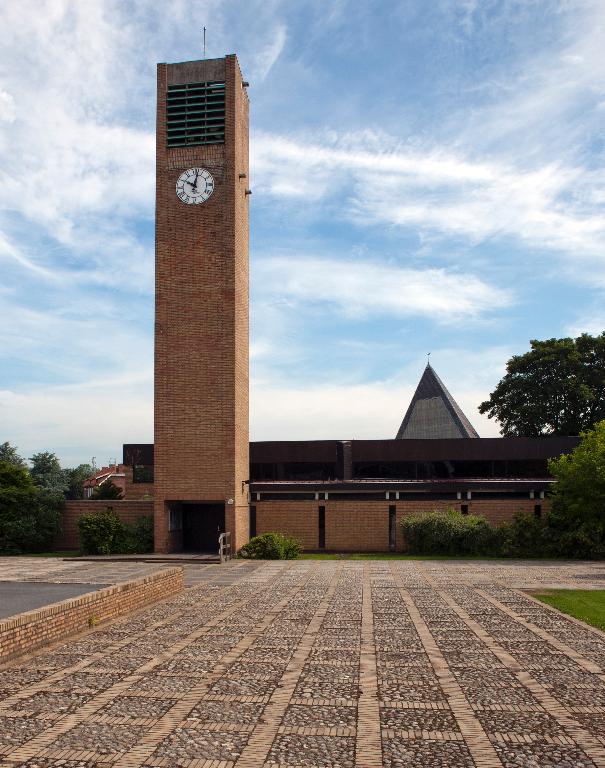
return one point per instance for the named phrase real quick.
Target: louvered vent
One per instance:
(195, 114)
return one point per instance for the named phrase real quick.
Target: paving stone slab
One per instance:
(312, 751)
(542, 756)
(420, 753)
(318, 664)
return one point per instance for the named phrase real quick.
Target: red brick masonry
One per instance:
(27, 631)
(353, 526)
(128, 511)
(363, 526)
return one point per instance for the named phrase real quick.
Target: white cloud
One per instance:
(438, 191)
(270, 53)
(79, 337)
(358, 289)
(7, 107)
(73, 422)
(11, 252)
(592, 322)
(548, 106)
(344, 412)
(373, 409)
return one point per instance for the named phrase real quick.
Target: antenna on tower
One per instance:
(204, 42)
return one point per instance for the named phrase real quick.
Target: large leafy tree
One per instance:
(29, 516)
(75, 478)
(557, 388)
(578, 496)
(46, 472)
(8, 453)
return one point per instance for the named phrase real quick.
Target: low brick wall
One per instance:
(127, 510)
(31, 630)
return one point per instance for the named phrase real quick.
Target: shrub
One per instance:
(107, 490)
(271, 546)
(103, 533)
(525, 536)
(584, 542)
(29, 516)
(292, 548)
(447, 533)
(143, 534)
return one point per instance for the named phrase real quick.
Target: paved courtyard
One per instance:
(317, 663)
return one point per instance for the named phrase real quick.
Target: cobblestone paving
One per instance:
(325, 664)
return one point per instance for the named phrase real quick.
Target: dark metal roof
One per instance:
(376, 451)
(450, 449)
(433, 412)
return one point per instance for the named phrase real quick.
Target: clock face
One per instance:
(194, 186)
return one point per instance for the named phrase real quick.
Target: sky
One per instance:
(427, 177)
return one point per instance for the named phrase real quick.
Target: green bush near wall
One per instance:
(447, 533)
(103, 533)
(452, 533)
(271, 546)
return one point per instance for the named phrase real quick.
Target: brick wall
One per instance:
(296, 518)
(358, 526)
(136, 490)
(34, 629)
(127, 510)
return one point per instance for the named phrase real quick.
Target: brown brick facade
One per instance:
(27, 631)
(201, 334)
(127, 510)
(363, 526)
(355, 526)
(134, 490)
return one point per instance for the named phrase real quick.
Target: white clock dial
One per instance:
(194, 186)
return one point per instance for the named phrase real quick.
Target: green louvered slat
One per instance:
(195, 114)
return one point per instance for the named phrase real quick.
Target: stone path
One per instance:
(317, 664)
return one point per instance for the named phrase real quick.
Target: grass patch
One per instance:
(388, 556)
(588, 605)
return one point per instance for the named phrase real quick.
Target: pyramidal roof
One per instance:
(433, 412)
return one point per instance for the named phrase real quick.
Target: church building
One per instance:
(202, 476)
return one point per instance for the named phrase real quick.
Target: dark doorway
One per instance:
(202, 525)
(392, 528)
(321, 524)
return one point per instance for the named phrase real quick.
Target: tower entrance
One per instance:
(203, 523)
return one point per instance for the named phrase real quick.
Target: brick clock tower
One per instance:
(201, 306)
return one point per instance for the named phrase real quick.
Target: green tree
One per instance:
(75, 478)
(46, 472)
(557, 388)
(29, 516)
(578, 497)
(8, 453)
(107, 490)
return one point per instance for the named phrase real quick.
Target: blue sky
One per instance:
(426, 177)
